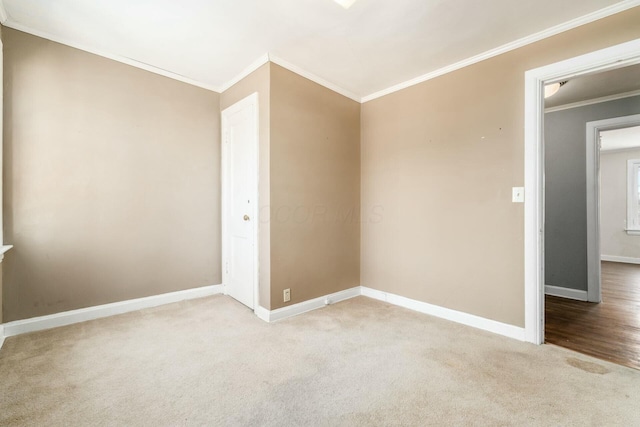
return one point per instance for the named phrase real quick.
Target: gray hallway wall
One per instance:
(565, 185)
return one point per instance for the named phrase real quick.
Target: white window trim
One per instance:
(633, 226)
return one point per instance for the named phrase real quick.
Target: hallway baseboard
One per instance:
(559, 291)
(613, 258)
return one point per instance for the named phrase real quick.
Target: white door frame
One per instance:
(606, 59)
(251, 100)
(594, 290)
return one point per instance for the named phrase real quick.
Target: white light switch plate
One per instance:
(518, 195)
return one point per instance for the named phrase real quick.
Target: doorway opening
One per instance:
(612, 58)
(600, 320)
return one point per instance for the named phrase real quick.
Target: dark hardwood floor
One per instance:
(609, 330)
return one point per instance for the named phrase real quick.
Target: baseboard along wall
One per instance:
(478, 322)
(305, 306)
(83, 314)
(624, 259)
(90, 313)
(558, 291)
(467, 319)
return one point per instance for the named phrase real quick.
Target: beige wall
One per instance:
(614, 240)
(259, 81)
(439, 160)
(111, 180)
(315, 189)
(1, 311)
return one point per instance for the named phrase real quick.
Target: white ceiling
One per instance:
(620, 139)
(367, 48)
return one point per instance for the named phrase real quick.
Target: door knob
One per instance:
(246, 217)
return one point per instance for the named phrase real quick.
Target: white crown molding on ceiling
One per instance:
(593, 101)
(566, 26)
(6, 20)
(263, 59)
(322, 82)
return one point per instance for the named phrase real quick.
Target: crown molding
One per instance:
(592, 101)
(119, 58)
(566, 26)
(319, 80)
(263, 59)
(267, 57)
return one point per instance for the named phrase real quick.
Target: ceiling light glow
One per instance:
(345, 3)
(553, 88)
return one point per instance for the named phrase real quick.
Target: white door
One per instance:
(240, 200)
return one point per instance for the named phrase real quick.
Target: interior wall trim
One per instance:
(119, 58)
(549, 32)
(559, 291)
(263, 59)
(467, 319)
(266, 57)
(90, 313)
(305, 306)
(609, 58)
(310, 76)
(593, 101)
(96, 312)
(624, 259)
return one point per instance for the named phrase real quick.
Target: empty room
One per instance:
(317, 212)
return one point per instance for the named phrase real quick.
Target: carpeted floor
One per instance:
(359, 362)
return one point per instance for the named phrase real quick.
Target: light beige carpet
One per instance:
(359, 362)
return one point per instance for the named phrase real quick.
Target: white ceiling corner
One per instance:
(263, 59)
(374, 48)
(620, 139)
(304, 73)
(115, 57)
(3, 13)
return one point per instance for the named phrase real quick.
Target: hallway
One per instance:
(610, 330)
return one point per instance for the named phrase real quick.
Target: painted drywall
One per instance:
(438, 163)
(111, 180)
(315, 189)
(565, 189)
(614, 240)
(259, 81)
(1, 128)
(1, 311)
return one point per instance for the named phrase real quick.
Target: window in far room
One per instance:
(633, 196)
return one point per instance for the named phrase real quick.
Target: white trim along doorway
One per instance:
(594, 290)
(239, 186)
(618, 56)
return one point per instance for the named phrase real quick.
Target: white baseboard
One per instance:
(613, 258)
(96, 312)
(303, 307)
(558, 291)
(262, 313)
(90, 313)
(447, 313)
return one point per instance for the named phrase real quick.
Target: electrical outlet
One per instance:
(287, 295)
